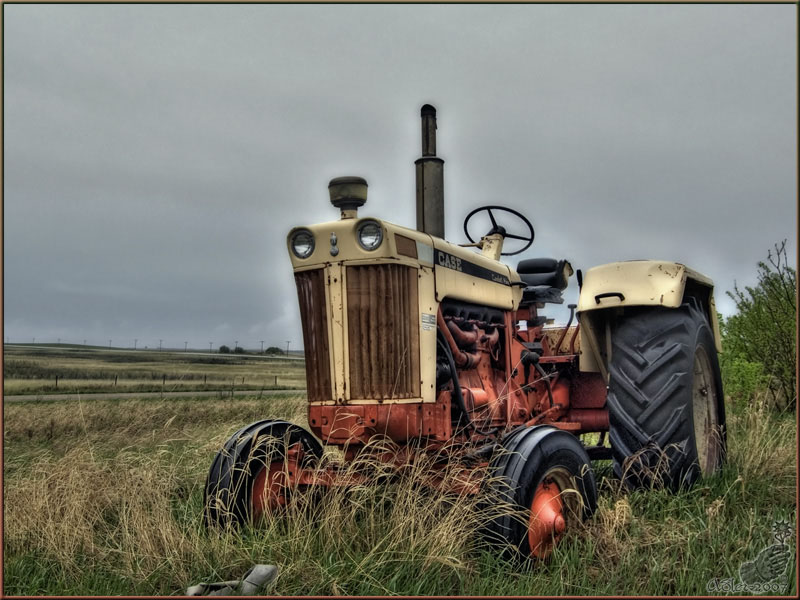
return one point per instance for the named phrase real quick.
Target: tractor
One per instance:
(443, 348)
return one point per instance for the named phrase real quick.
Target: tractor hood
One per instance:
(338, 241)
(460, 273)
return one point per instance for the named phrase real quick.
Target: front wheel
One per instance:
(250, 476)
(544, 474)
(666, 410)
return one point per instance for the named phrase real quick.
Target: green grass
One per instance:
(105, 498)
(80, 370)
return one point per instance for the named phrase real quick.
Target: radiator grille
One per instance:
(383, 331)
(313, 312)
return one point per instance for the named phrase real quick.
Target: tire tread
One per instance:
(650, 394)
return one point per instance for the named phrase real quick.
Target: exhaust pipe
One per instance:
(430, 178)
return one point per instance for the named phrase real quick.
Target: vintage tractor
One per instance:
(441, 348)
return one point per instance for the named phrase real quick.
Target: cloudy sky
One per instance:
(155, 156)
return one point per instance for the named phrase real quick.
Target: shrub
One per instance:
(224, 349)
(741, 379)
(762, 332)
(273, 350)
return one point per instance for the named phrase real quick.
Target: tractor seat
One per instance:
(548, 272)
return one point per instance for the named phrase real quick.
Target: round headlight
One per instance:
(370, 235)
(302, 243)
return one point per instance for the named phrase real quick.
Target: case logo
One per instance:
(450, 261)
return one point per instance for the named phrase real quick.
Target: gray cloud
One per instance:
(156, 155)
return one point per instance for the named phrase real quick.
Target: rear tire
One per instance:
(247, 476)
(666, 413)
(546, 474)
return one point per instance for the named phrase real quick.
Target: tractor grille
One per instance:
(311, 294)
(383, 331)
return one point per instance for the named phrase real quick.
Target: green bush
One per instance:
(759, 339)
(741, 379)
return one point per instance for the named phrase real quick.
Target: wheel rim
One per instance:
(269, 489)
(548, 517)
(706, 422)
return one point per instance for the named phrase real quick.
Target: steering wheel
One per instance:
(500, 229)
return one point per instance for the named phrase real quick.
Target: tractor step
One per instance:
(534, 347)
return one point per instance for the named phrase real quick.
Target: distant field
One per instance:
(34, 370)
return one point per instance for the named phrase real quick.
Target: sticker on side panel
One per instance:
(428, 321)
(425, 252)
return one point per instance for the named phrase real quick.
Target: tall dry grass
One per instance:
(766, 446)
(107, 498)
(133, 515)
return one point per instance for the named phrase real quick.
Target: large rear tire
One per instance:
(666, 409)
(545, 474)
(248, 476)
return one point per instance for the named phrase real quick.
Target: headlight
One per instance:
(302, 243)
(370, 235)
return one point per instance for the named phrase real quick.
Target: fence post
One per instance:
(56, 381)
(276, 381)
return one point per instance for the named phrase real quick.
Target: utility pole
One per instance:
(109, 344)
(235, 345)
(159, 345)
(209, 346)
(135, 341)
(34, 340)
(185, 344)
(59, 341)
(84, 342)
(262, 346)
(287, 347)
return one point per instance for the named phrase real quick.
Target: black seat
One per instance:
(547, 272)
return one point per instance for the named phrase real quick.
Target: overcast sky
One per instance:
(155, 156)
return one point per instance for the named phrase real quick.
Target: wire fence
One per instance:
(163, 345)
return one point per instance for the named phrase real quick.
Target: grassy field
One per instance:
(105, 497)
(33, 370)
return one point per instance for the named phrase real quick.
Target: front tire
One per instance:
(248, 477)
(666, 409)
(546, 475)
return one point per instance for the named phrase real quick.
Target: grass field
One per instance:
(104, 497)
(33, 370)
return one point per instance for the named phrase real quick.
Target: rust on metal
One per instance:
(356, 424)
(588, 390)
(383, 331)
(311, 296)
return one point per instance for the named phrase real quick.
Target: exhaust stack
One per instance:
(430, 178)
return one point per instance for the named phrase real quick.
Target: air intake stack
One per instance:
(430, 178)
(348, 194)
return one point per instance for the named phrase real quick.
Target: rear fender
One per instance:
(608, 289)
